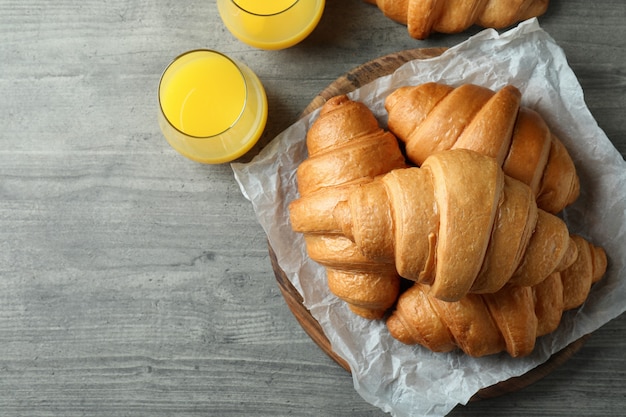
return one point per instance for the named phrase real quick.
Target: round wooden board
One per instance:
(348, 82)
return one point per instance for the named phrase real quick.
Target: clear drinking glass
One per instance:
(212, 109)
(271, 24)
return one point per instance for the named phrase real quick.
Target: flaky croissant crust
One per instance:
(509, 320)
(458, 224)
(423, 17)
(367, 218)
(432, 117)
(346, 148)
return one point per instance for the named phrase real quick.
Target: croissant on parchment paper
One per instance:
(457, 224)
(346, 148)
(432, 117)
(423, 17)
(509, 320)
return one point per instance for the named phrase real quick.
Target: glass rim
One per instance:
(209, 51)
(243, 9)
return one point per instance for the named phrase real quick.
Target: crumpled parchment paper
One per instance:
(410, 380)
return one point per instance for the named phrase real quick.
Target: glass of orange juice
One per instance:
(212, 109)
(270, 24)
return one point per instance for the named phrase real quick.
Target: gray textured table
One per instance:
(135, 282)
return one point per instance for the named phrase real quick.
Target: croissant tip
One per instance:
(396, 328)
(370, 314)
(600, 263)
(334, 102)
(337, 100)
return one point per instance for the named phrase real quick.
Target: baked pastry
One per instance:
(346, 148)
(432, 117)
(423, 17)
(509, 320)
(457, 224)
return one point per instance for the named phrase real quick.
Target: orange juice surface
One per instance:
(265, 7)
(203, 95)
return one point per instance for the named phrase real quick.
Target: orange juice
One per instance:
(213, 110)
(205, 96)
(271, 24)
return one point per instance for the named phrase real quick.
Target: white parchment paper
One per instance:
(410, 380)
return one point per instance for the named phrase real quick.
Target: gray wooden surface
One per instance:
(134, 282)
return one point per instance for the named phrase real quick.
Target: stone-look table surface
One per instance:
(134, 282)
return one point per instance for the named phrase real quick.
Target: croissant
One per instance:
(432, 117)
(458, 224)
(510, 320)
(424, 17)
(346, 148)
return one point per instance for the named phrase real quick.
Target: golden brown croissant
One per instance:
(458, 224)
(346, 147)
(423, 17)
(432, 117)
(509, 320)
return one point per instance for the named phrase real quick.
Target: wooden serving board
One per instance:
(348, 82)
